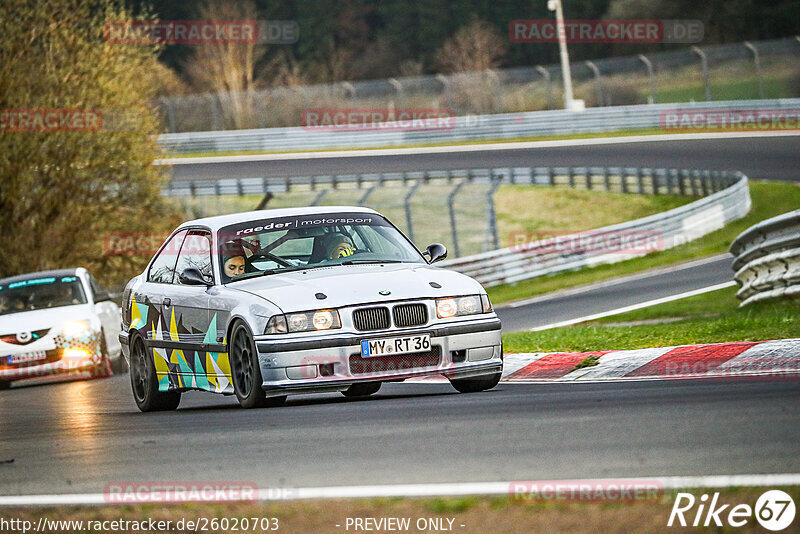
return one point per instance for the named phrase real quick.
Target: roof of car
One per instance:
(40, 274)
(220, 221)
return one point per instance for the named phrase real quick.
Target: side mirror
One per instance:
(101, 296)
(436, 252)
(191, 276)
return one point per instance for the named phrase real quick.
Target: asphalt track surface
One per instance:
(616, 293)
(78, 436)
(763, 158)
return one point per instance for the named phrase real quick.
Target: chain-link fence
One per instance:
(456, 207)
(762, 69)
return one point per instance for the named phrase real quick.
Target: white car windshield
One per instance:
(41, 293)
(309, 241)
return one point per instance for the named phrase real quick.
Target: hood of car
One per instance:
(29, 321)
(348, 285)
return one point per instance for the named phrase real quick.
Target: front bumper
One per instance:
(69, 355)
(318, 364)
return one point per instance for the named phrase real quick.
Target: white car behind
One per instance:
(56, 322)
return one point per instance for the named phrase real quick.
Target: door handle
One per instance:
(167, 301)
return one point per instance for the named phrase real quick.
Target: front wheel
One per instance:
(144, 382)
(474, 385)
(5, 385)
(247, 380)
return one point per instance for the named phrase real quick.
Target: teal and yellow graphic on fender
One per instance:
(183, 359)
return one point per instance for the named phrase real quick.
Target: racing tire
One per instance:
(5, 385)
(103, 369)
(246, 372)
(362, 390)
(144, 382)
(474, 385)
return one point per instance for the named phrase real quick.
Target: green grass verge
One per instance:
(769, 199)
(708, 318)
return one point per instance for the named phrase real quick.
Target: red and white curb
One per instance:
(779, 359)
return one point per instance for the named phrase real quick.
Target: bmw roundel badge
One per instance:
(384, 292)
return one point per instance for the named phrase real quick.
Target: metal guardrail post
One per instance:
(317, 201)
(598, 84)
(546, 75)
(491, 216)
(704, 65)
(640, 180)
(363, 200)
(571, 175)
(551, 179)
(757, 64)
(451, 208)
(606, 180)
(651, 77)
(399, 88)
(407, 208)
(216, 119)
(623, 181)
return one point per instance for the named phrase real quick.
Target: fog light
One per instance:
(76, 354)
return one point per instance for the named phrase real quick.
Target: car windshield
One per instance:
(41, 293)
(284, 244)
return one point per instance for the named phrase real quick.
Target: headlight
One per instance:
(75, 328)
(304, 322)
(458, 306)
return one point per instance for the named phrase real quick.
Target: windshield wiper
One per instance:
(361, 262)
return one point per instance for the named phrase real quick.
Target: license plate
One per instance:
(27, 357)
(395, 345)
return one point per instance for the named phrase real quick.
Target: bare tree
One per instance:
(476, 47)
(472, 54)
(224, 67)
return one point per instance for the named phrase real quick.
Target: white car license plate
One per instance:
(28, 357)
(395, 345)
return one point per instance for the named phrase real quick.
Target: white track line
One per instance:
(616, 281)
(370, 152)
(433, 490)
(632, 307)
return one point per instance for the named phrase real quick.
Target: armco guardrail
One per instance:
(464, 128)
(767, 263)
(673, 227)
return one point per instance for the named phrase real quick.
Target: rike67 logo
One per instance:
(774, 510)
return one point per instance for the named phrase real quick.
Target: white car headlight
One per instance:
(76, 328)
(458, 306)
(304, 322)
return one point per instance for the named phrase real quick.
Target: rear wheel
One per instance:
(144, 382)
(5, 385)
(473, 385)
(246, 372)
(362, 390)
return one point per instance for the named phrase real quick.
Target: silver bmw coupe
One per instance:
(272, 303)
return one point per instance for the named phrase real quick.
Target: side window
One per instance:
(195, 252)
(162, 271)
